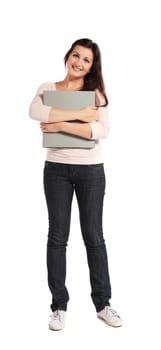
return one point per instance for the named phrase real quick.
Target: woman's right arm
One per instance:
(37, 110)
(40, 112)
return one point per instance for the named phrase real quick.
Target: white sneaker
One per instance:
(57, 320)
(110, 317)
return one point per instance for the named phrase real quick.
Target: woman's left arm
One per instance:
(101, 128)
(94, 130)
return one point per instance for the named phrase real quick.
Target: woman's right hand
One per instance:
(88, 114)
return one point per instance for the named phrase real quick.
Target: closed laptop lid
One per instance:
(69, 99)
(61, 140)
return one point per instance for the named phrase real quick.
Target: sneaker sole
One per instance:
(55, 329)
(111, 325)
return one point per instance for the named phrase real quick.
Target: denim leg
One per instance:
(90, 189)
(59, 194)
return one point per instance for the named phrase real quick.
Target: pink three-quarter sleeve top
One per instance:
(100, 129)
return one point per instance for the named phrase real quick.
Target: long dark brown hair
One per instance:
(94, 79)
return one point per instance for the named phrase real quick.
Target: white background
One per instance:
(34, 40)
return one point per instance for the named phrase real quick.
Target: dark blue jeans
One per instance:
(88, 182)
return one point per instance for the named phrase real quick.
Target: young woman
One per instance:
(81, 170)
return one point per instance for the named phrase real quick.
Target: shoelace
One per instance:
(56, 315)
(114, 313)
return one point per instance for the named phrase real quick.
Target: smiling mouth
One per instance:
(77, 69)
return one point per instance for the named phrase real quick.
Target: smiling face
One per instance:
(79, 61)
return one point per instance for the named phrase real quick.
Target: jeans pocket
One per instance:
(96, 170)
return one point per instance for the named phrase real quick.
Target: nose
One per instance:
(79, 62)
(79, 65)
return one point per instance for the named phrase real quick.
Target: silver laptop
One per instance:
(67, 100)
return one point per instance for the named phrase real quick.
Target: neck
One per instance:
(70, 83)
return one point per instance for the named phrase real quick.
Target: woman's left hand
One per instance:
(50, 127)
